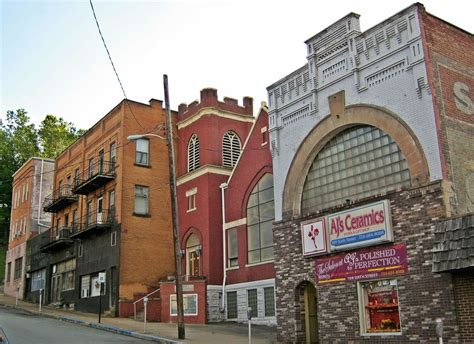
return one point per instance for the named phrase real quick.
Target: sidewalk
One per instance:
(228, 333)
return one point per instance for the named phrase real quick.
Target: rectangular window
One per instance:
(27, 187)
(80, 250)
(113, 155)
(76, 177)
(18, 268)
(75, 225)
(9, 272)
(190, 304)
(91, 167)
(112, 201)
(264, 132)
(142, 152)
(232, 305)
(66, 270)
(100, 169)
(232, 248)
(113, 238)
(141, 200)
(191, 199)
(252, 302)
(269, 301)
(90, 214)
(38, 279)
(191, 202)
(378, 307)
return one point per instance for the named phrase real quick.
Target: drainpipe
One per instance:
(223, 186)
(39, 198)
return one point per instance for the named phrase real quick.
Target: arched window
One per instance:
(193, 255)
(260, 215)
(359, 162)
(193, 153)
(230, 149)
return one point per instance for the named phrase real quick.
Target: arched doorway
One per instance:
(193, 256)
(307, 318)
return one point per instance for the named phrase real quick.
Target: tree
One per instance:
(55, 135)
(19, 141)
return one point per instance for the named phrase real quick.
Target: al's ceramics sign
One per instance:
(362, 226)
(313, 233)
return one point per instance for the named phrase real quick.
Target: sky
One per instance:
(53, 60)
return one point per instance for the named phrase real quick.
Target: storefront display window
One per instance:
(378, 306)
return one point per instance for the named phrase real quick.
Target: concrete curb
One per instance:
(97, 326)
(119, 330)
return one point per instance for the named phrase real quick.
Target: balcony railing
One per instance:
(59, 237)
(96, 175)
(93, 222)
(59, 199)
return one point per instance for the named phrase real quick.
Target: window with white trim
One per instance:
(230, 149)
(232, 248)
(260, 216)
(191, 199)
(142, 153)
(193, 153)
(141, 200)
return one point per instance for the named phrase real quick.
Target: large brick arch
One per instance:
(332, 125)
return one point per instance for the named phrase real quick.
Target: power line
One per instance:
(112, 63)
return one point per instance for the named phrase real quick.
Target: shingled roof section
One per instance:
(454, 244)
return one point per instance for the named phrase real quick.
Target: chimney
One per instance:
(182, 108)
(248, 105)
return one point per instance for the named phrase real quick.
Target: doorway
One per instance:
(306, 313)
(311, 320)
(56, 289)
(100, 209)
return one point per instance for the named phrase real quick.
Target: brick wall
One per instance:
(423, 295)
(464, 300)
(449, 65)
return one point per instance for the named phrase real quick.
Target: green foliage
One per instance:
(55, 135)
(19, 141)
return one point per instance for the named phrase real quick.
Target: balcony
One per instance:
(59, 238)
(94, 222)
(98, 174)
(59, 199)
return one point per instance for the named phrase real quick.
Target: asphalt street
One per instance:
(24, 328)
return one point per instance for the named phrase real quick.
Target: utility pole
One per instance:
(174, 211)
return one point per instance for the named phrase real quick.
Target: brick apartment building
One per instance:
(222, 159)
(31, 183)
(372, 144)
(111, 214)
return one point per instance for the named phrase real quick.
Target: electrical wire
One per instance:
(112, 63)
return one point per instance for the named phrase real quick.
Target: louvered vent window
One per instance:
(230, 149)
(193, 153)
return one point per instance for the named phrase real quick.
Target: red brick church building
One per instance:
(225, 204)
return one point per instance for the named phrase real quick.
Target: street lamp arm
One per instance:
(135, 137)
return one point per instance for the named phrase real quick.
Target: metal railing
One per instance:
(64, 191)
(93, 219)
(97, 168)
(135, 303)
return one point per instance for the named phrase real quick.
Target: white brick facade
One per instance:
(382, 67)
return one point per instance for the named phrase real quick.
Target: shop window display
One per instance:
(379, 308)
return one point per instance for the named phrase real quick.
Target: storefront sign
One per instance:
(383, 261)
(313, 235)
(362, 226)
